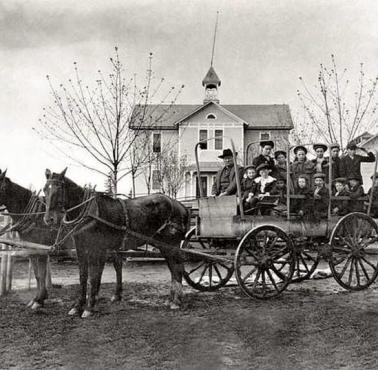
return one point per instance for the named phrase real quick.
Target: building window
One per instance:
(264, 136)
(155, 180)
(156, 143)
(211, 116)
(218, 144)
(203, 136)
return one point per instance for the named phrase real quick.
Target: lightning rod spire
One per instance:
(215, 35)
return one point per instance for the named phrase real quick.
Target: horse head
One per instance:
(54, 190)
(4, 184)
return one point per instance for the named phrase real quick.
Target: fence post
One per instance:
(3, 271)
(9, 270)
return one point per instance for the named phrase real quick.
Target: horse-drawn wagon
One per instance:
(267, 253)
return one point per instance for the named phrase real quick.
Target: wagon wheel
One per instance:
(264, 262)
(306, 262)
(354, 251)
(201, 274)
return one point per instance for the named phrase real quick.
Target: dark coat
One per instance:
(350, 167)
(355, 204)
(321, 205)
(324, 165)
(281, 193)
(342, 205)
(306, 205)
(302, 168)
(262, 159)
(335, 169)
(247, 187)
(231, 189)
(279, 172)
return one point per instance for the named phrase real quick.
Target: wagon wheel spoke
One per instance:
(341, 274)
(304, 263)
(255, 282)
(196, 268)
(210, 273)
(217, 272)
(368, 262)
(315, 259)
(272, 280)
(264, 286)
(252, 254)
(342, 259)
(249, 274)
(274, 241)
(357, 272)
(202, 244)
(202, 274)
(363, 269)
(351, 271)
(280, 253)
(279, 273)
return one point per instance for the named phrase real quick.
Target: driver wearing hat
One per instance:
(225, 182)
(265, 156)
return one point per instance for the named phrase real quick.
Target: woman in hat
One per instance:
(265, 156)
(350, 165)
(262, 186)
(301, 165)
(320, 162)
(280, 168)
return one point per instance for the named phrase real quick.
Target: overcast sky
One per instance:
(262, 47)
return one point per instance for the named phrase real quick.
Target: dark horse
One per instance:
(104, 228)
(16, 198)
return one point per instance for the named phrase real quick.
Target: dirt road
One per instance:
(313, 325)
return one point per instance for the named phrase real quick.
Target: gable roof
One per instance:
(168, 117)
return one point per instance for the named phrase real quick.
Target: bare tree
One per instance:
(337, 111)
(171, 172)
(97, 127)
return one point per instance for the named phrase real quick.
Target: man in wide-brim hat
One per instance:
(225, 181)
(350, 164)
(265, 156)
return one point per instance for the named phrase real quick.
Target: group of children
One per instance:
(309, 196)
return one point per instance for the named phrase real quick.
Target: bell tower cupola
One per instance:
(211, 82)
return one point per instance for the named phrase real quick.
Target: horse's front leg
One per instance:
(117, 263)
(176, 268)
(83, 276)
(39, 264)
(96, 261)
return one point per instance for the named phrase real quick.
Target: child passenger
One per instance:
(340, 206)
(302, 206)
(262, 185)
(356, 191)
(321, 196)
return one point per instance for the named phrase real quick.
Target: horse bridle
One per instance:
(61, 200)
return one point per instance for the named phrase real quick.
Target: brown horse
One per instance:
(108, 224)
(16, 198)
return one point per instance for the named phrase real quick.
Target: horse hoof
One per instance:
(73, 311)
(30, 303)
(35, 306)
(86, 314)
(115, 298)
(174, 306)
